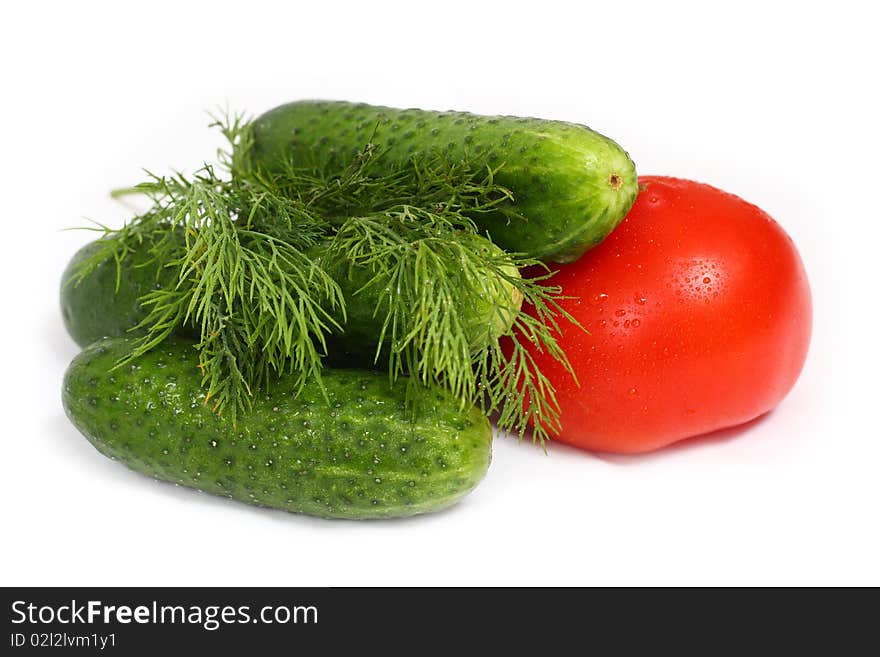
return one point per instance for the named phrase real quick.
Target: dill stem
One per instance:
(122, 192)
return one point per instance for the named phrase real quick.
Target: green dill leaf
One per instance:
(247, 283)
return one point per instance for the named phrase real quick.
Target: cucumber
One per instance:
(571, 185)
(94, 307)
(361, 452)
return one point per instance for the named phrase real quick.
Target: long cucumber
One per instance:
(358, 449)
(571, 185)
(105, 302)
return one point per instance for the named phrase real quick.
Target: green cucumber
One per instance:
(571, 185)
(105, 302)
(359, 452)
(93, 307)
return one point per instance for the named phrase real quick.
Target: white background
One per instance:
(772, 101)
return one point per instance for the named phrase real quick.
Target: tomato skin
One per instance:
(699, 317)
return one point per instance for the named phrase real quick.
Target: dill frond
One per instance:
(246, 283)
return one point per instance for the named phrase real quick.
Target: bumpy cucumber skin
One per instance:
(572, 186)
(363, 455)
(94, 307)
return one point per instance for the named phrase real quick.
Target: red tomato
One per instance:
(699, 317)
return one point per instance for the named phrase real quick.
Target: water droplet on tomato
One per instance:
(633, 392)
(636, 323)
(639, 299)
(706, 279)
(620, 313)
(599, 298)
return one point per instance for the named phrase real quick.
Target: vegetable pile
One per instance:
(324, 320)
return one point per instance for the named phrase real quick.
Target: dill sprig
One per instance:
(247, 285)
(258, 303)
